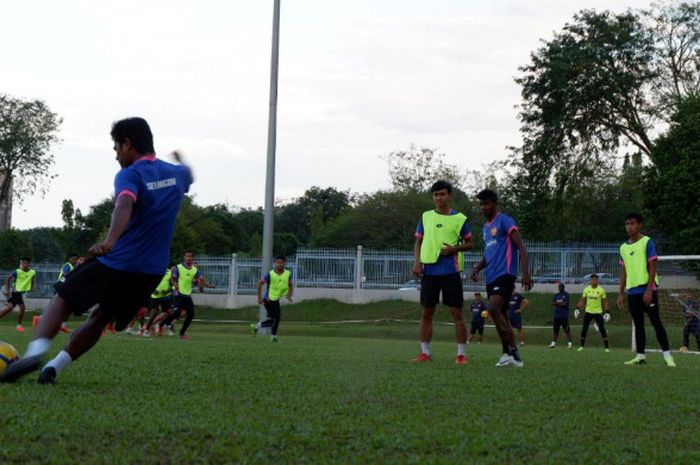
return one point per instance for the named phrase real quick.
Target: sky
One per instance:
(357, 80)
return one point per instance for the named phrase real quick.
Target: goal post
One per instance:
(679, 304)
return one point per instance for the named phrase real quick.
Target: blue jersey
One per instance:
(477, 308)
(157, 188)
(446, 264)
(500, 253)
(651, 255)
(516, 301)
(560, 301)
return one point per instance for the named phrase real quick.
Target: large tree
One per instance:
(417, 168)
(28, 130)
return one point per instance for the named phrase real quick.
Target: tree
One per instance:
(14, 244)
(68, 213)
(28, 129)
(671, 195)
(417, 168)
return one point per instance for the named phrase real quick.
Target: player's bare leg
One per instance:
(460, 334)
(426, 334)
(8, 308)
(510, 357)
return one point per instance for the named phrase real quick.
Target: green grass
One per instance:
(332, 393)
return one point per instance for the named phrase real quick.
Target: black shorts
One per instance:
(515, 320)
(162, 303)
(477, 327)
(16, 298)
(561, 323)
(449, 284)
(184, 302)
(120, 294)
(504, 286)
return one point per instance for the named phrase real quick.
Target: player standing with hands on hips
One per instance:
(441, 237)
(502, 247)
(129, 263)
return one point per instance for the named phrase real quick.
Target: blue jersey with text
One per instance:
(477, 308)
(157, 188)
(560, 301)
(500, 253)
(446, 264)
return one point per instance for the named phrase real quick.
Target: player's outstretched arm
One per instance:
(524, 260)
(178, 158)
(120, 220)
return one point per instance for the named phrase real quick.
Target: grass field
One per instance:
(334, 393)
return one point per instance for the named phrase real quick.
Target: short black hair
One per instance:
(137, 131)
(594, 276)
(188, 251)
(72, 254)
(635, 216)
(280, 257)
(488, 195)
(25, 259)
(440, 185)
(478, 293)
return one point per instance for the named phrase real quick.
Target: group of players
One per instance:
(443, 234)
(148, 194)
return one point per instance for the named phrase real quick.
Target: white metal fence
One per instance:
(379, 269)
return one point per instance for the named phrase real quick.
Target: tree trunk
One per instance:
(5, 202)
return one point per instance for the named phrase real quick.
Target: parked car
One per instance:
(412, 285)
(548, 278)
(603, 279)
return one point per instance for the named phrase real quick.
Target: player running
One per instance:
(184, 275)
(23, 280)
(160, 303)
(130, 261)
(502, 247)
(561, 302)
(594, 298)
(478, 308)
(516, 305)
(279, 284)
(441, 237)
(639, 280)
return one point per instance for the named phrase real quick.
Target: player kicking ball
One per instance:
(129, 263)
(639, 280)
(502, 247)
(441, 237)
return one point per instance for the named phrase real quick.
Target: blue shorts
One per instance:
(516, 320)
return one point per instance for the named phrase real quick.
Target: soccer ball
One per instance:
(485, 314)
(8, 354)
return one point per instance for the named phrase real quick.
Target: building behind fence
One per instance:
(379, 269)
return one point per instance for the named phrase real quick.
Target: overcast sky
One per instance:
(358, 79)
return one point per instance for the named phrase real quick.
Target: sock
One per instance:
(513, 352)
(38, 347)
(461, 348)
(667, 354)
(425, 348)
(583, 342)
(606, 344)
(504, 346)
(554, 343)
(641, 356)
(60, 361)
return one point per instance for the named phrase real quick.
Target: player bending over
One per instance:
(279, 284)
(441, 237)
(130, 261)
(560, 302)
(23, 280)
(502, 247)
(639, 280)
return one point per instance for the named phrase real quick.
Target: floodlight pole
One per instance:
(269, 219)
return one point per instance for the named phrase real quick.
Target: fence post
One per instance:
(232, 281)
(563, 266)
(358, 268)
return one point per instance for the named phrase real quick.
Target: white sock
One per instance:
(461, 348)
(667, 354)
(60, 361)
(38, 347)
(425, 348)
(641, 356)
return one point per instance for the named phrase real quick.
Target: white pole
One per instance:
(269, 219)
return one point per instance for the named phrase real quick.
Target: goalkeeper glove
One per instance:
(577, 312)
(606, 317)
